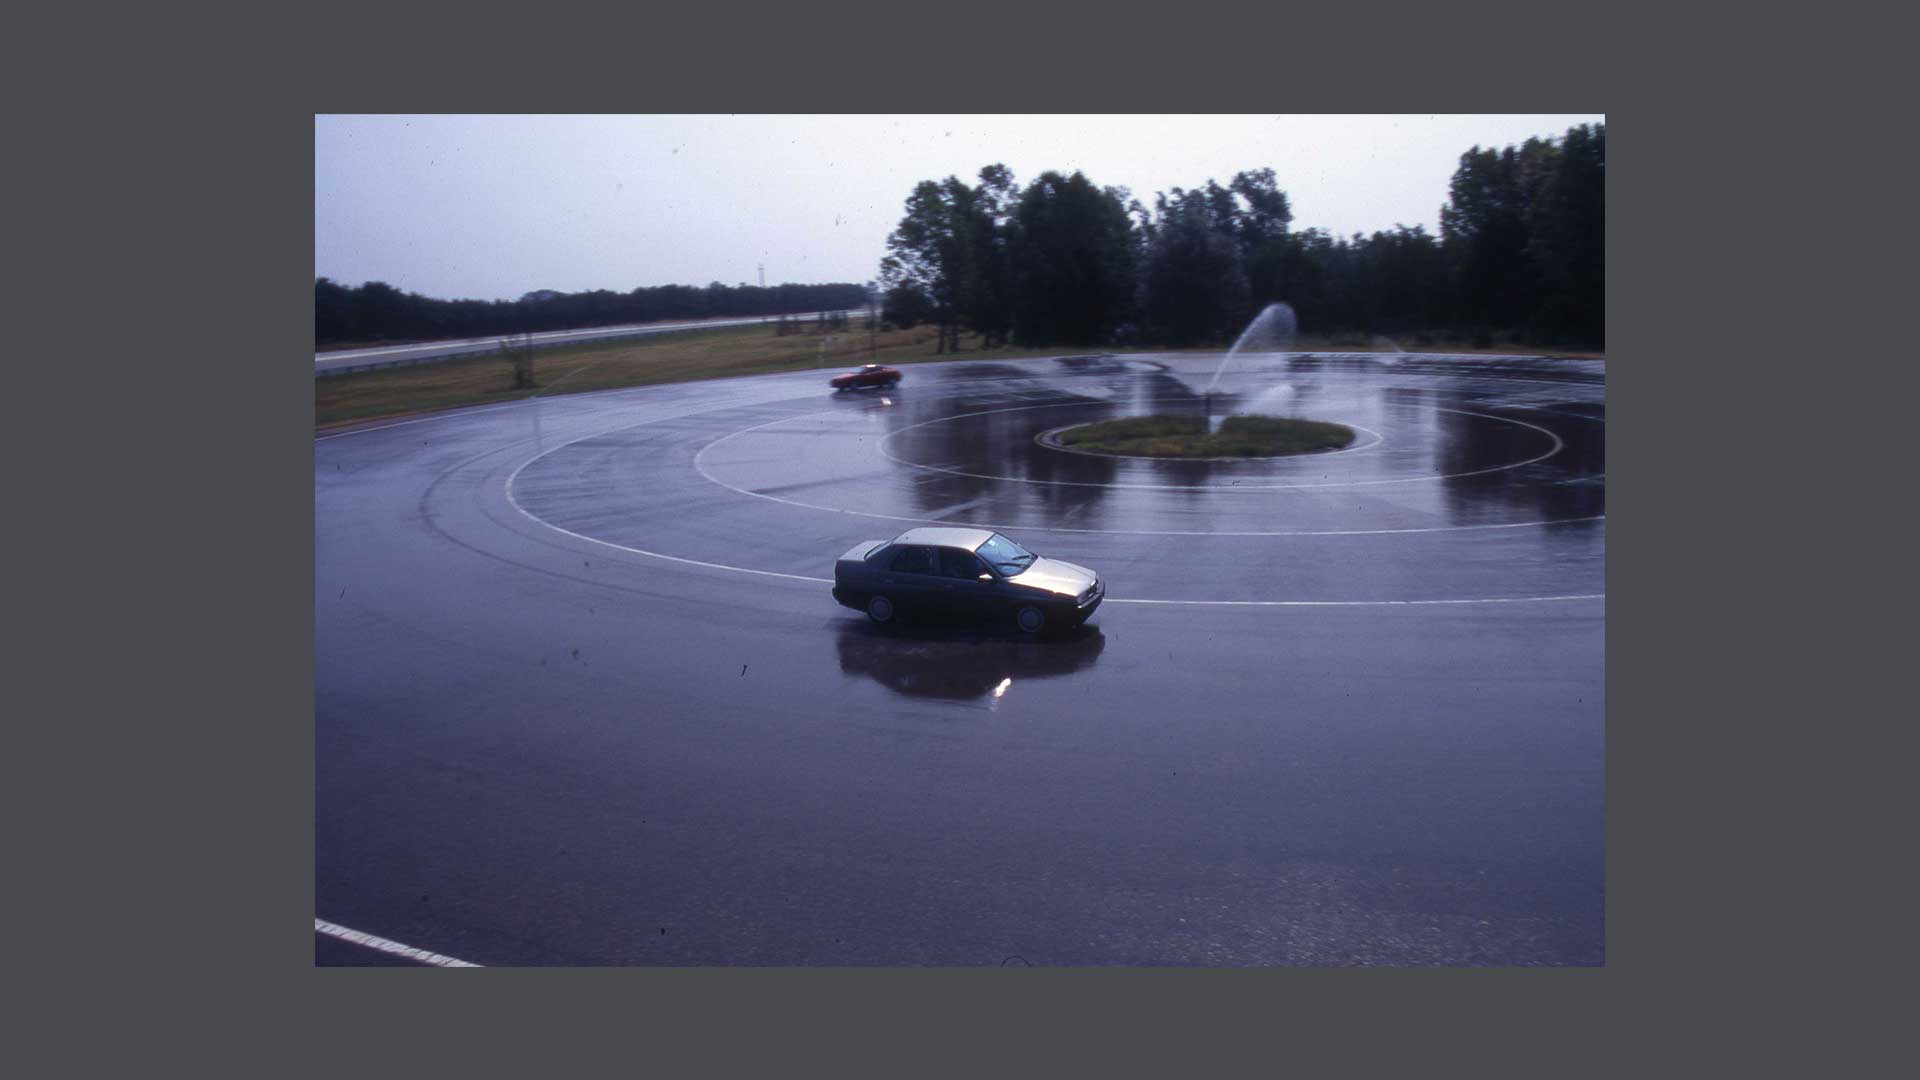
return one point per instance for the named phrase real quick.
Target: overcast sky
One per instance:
(490, 207)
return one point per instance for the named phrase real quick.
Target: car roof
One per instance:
(944, 536)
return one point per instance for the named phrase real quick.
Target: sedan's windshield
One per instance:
(1006, 556)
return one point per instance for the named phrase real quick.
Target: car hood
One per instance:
(1054, 576)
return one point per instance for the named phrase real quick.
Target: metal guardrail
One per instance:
(477, 350)
(347, 369)
(495, 346)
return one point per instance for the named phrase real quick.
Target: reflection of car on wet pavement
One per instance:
(965, 572)
(869, 375)
(965, 666)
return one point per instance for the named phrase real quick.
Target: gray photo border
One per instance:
(204, 534)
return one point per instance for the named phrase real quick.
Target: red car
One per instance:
(869, 375)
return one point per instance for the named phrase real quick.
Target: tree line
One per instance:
(376, 311)
(1521, 257)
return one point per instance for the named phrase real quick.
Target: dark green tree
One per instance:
(1524, 232)
(921, 258)
(906, 306)
(1261, 226)
(991, 312)
(1484, 228)
(1567, 241)
(1193, 286)
(1072, 255)
(1389, 283)
(377, 311)
(951, 247)
(332, 311)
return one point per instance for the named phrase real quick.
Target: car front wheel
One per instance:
(879, 609)
(1030, 619)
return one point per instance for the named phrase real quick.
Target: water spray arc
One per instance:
(1272, 331)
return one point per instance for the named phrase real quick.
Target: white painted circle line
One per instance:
(507, 490)
(545, 524)
(394, 948)
(699, 466)
(1368, 603)
(1020, 527)
(1111, 599)
(724, 567)
(881, 447)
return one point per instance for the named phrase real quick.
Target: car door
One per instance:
(960, 572)
(912, 577)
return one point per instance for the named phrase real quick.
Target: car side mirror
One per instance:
(986, 577)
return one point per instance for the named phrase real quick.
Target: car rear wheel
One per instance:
(879, 609)
(1030, 619)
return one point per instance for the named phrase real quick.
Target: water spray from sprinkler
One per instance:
(1271, 331)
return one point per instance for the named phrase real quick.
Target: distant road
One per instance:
(344, 360)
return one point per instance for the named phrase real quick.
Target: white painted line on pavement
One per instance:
(507, 490)
(1365, 603)
(371, 941)
(700, 467)
(881, 447)
(421, 420)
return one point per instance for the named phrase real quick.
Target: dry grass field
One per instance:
(706, 354)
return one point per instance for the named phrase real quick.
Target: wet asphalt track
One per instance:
(582, 696)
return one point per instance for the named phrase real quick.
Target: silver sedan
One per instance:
(966, 572)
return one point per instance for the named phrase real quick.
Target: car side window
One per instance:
(955, 563)
(912, 560)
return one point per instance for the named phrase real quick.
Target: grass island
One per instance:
(1174, 436)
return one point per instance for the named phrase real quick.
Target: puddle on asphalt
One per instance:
(955, 660)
